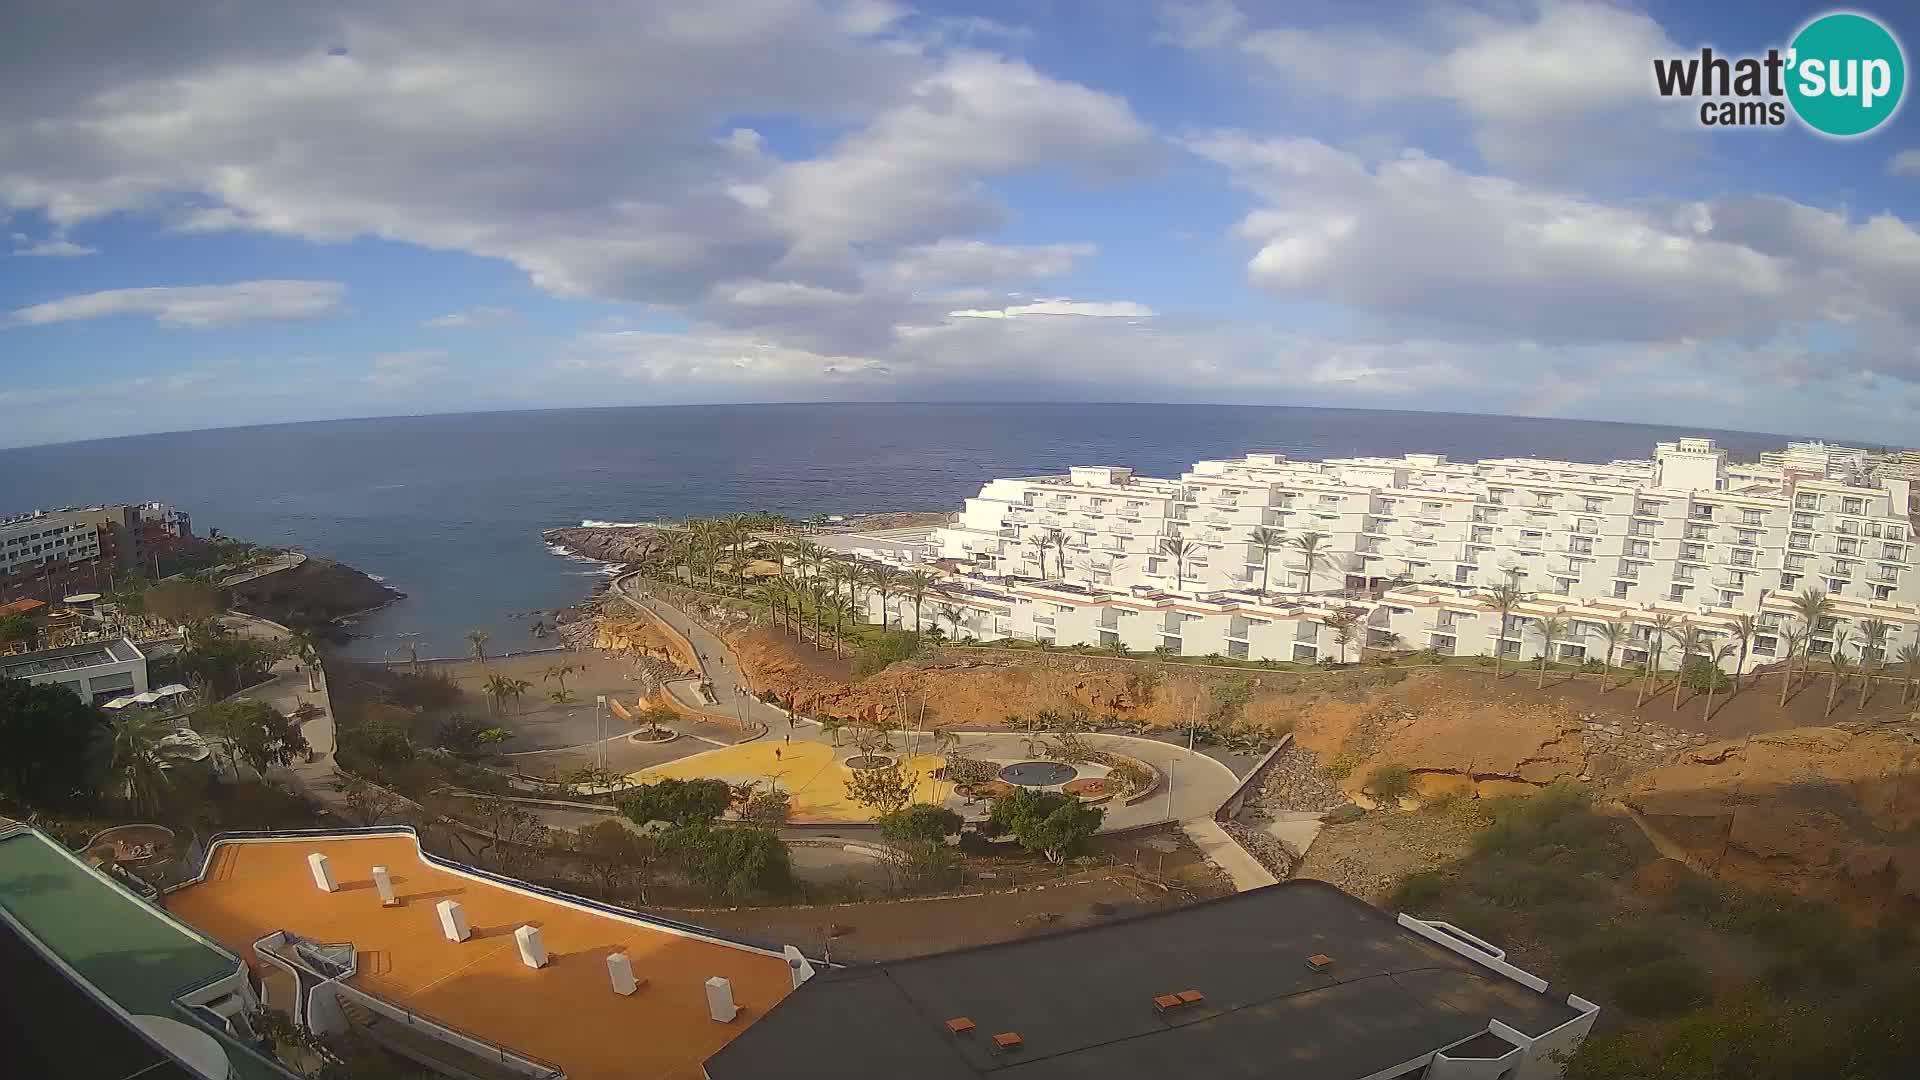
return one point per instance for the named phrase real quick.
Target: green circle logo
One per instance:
(1846, 74)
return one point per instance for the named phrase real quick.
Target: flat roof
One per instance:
(565, 1013)
(130, 951)
(70, 658)
(1082, 1001)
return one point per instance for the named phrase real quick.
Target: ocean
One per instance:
(449, 509)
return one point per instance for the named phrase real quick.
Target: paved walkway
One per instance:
(287, 690)
(1226, 853)
(807, 765)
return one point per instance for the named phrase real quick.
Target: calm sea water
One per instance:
(449, 509)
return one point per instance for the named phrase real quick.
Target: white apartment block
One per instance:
(62, 536)
(1411, 543)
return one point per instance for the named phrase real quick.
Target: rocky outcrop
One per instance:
(312, 595)
(619, 545)
(1829, 812)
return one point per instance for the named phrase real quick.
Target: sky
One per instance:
(217, 213)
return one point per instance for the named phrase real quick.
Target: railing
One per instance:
(466, 1040)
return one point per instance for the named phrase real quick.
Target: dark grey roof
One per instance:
(1082, 1001)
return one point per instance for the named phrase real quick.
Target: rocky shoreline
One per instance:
(634, 542)
(315, 595)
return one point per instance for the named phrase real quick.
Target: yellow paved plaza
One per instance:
(808, 771)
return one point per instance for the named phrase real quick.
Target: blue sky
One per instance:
(219, 216)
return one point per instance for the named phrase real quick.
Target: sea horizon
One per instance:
(449, 508)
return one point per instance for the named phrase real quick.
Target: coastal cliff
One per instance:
(614, 545)
(313, 594)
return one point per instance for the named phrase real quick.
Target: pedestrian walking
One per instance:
(776, 753)
(789, 738)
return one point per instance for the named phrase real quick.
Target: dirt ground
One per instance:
(536, 722)
(1367, 857)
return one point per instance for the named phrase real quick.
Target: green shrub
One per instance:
(1558, 826)
(1478, 918)
(1662, 987)
(678, 802)
(1526, 885)
(730, 863)
(920, 821)
(1419, 891)
(1612, 948)
(1702, 673)
(1390, 781)
(886, 648)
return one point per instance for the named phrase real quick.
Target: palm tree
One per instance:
(1909, 657)
(823, 597)
(954, 614)
(1873, 651)
(1744, 627)
(1311, 557)
(1813, 606)
(1687, 636)
(1657, 631)
(1713, 679)
(558, 674)
(1040, 545)
(303, 646)
(858, 578)
(1059, 540)
(1266, 540)
(1502, 598)
(1343, 624)
(1796, 638)
(886, 581)
(775, 594)
(133, 759)
(501, 689)
(1838, 661)
(832, 725)
(1614, 632)
(1180, 550)
(915, 583)
(1551, 628)
(477, 639)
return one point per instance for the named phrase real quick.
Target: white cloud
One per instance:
(1905, 163)
(955, 260)
(1417, 242)
(1123, 309)
(58, 247)
(1551, 87)
(581, 149)
(472, 317)
(404, 370)
(193, 306)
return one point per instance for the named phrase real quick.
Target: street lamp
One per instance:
(599, 729)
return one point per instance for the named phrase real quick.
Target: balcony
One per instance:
(1729, 583)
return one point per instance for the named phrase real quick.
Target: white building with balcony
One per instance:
(1101, 556)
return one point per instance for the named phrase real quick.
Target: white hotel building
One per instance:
(1412, 542)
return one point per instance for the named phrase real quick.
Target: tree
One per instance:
(1266, 540)
(678, 802)
(384, 741)
(922, 822)
(477, 645)
(304, 647)
(1813, 606)
(731, 863)
(1048, 823)
(1837, 661)
(1502, 598)
(832, 725)
(1713, 677)
(139, 776)
(223, 663)
(1614, 632)
(1551, 629)
(558, 674)
(1744, 627)
(47, 736)
(655, 715)
(769, 807)
(1657, 631)
(1909, 657)
(914, 586)
(16, 628)
(511, 830)
(1343, 623)
(1059, 539)
(1687, 636)
(462, 737)
(1873, 653)
(368, 801)
(883, 790)
(1795, 638)
(614, 855)
(1180, 551)
(885, 581)
(1312, 556)
(183, 601)
(503, 688)
(955, 615)
(255, 732)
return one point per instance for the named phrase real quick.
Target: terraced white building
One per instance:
(1411, 543)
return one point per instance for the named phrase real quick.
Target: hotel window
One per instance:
(1800, 541)
(1853, 506)
(1804, 521)
(1751, 517)
(1806, 502)
(1883, 592)
(1678, 592)
(1595, 505)
(1848, 547)
(1643, 528)
(1639, 548)
(1788, 581)
(1697, 532)
(1835, 585)
(1690, 551)
(1703, 512)
(1543, 498)
(1620, 590)
(1647, 508)
(1742, 558)
(1892, 551)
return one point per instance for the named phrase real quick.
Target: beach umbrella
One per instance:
(147, 698)
(118, 703)
(173, 690)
